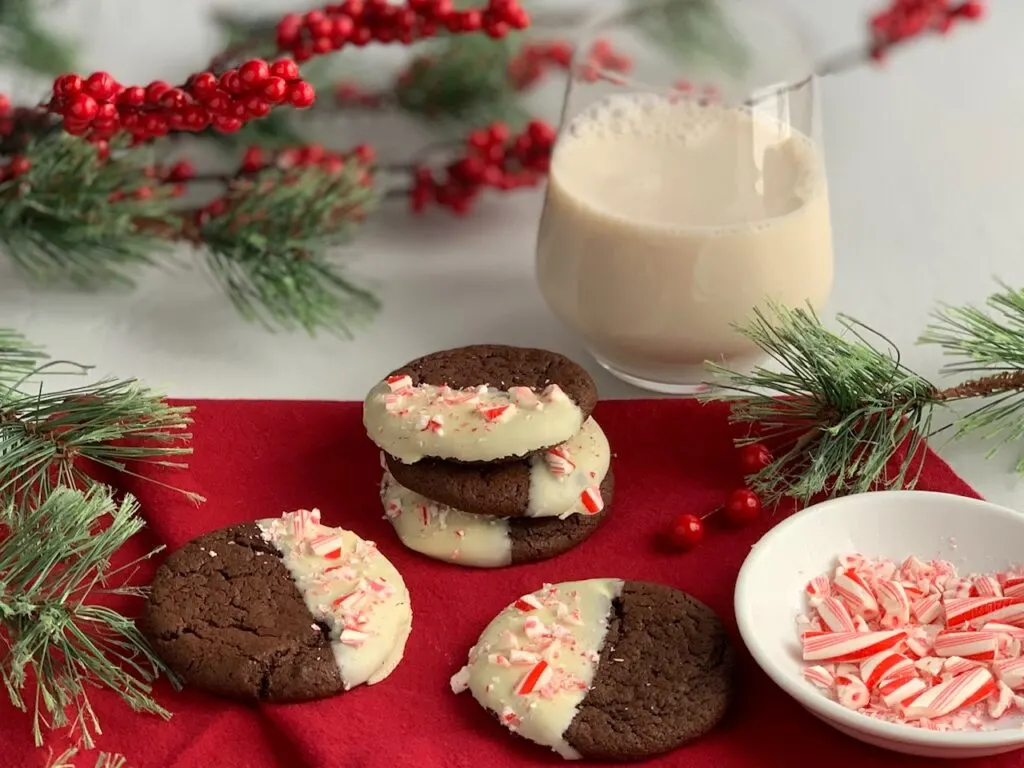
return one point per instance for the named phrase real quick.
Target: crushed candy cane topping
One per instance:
(915, 642)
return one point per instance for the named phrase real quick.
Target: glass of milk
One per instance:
(683, 194)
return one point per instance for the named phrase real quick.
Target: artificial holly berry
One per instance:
(742, 507)
(753, 458)
(686, 532)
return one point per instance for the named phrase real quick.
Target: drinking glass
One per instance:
(685, 192)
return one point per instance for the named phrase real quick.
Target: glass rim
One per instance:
(618, 18)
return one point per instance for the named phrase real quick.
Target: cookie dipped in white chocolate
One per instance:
(480, 424)
(351, 587)
(535, 662)
(561, 476)
(444, 533)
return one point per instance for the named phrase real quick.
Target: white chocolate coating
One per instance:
(443, 532)
(552, 637)
(351, 587)
(482, 424)
(555, 495)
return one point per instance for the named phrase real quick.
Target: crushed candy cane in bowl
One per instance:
(896, 617)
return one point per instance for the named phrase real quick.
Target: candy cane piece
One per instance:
(559, 461)
(848, 646)
(834, 615)
(592, 501)
(459, 682)
(554, 394)
(894, 602)
(928, 609)
(398, 382)
(956, 665)
(987, 586)
(526, 397)
(980, 610)
(901, 689)
(948, 697)
(851, 692)
(535, 679)
(980, 646)
(528, 603)
(1011, 672)
(818, 587)
(820, 677)
(855, 592)
(495, 414)
(930, 666)
(1000, 701)
(883, 666)
(327, 545)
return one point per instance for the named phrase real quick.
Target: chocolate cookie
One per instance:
(603, 669)
(283, 609)
(479, 403)
(483, 541)
(552, 483)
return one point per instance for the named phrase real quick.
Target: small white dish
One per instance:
(976, 536)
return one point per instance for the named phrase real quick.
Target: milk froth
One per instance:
(667, 222)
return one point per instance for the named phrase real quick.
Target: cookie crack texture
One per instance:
(225, 614)
(665, 676)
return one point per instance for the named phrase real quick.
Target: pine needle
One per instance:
(26, 42)
(267, 250)
(54, 558)
(986, 343)
(842, 409)
(58, 222)
(117, 424)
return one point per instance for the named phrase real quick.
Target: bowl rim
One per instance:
(811, 699)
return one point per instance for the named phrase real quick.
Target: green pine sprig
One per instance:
(58, 639)
(844, 411)
(26, 43)
(268, 249)
(989, 343)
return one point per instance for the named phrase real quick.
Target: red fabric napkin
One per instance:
(257, 459)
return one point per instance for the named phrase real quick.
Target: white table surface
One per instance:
(925, 162)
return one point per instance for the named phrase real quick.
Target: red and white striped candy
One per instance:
(559, 461)
(820, 676)
(851, 692)
(894, 602)
(496, 414)
(834, 615)
(901, 689)
(818, 587)
(848, 646)
(980, 646)
(327, 545)
(397, 383)
(431, 423)
(535, 679)
(955, 665)
(987, 586)
(978, 611)
(930, 666)
(1013, 587)
(1004, 629)
(526, 397)
(1000, 701)
(528, 603)
(353, 637)
(855, 593)
(1011, 672)
(948, 697)
(884, 666)
(554, 394)
(928, 609)
(919, 642)
(592, 501)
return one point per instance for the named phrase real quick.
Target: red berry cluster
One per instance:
(165, 182)
(359, 22)
(295, 159)
(98, 107)
(535, 60)
(601, 60)
(906, 19)
(742, 506)
(494, 158)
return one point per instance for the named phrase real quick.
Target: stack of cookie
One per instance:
(490, 454)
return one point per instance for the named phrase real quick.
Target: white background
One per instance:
(925, 162)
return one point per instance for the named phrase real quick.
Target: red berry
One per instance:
(541, 133)
(5, 105)
(155, 90)
(253, 160)
(311, 154)
(753, 458)
(274, 90)
(286, 69)
(226, 124)
(972, 9)
(18, 166)
(256, 106)
(183, 170)
(231, 82)
(67, 85)
(365, 154)
(686, 532)
(101, 86)
(203, 85)
(82, 108)
(254, 72)
(143, 193)
(301, 94)
(742, 507)
(132, 97)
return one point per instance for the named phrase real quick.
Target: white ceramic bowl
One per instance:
(975, 535)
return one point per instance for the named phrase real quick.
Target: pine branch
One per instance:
(266, 247)
(19, 359)
(26, 43)
(59, 221)
(54, 561)
(841, 409)
(988, 343)
(117, 424)
(692, 31)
